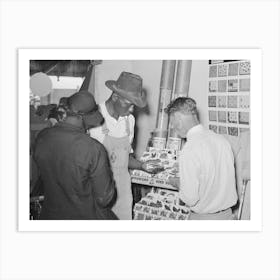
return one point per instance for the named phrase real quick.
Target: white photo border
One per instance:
(25, 55)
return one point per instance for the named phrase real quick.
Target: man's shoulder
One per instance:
(90, 144)
(45, 131)
(205, 137)
(90, 141)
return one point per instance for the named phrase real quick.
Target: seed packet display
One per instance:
(232, 117)
(244, 118)
(229, 96)
(161, 205)
(233, 131)
(213, 71)
(222, 116)
(222, 130)
(222, 101)
(233, 85)
(213, 128)
(244, 85)
(222, 85)
(213, 116)
(169, 167)
(213, 86)
(244, 68)
(233, 69)
(212, 101)
(232, 101)
(222, 70)
(244, 101)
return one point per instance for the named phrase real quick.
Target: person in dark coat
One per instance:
(75, 170)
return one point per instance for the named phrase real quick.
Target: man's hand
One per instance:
(174, 181)
(152, 166)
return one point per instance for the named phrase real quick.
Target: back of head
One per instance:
(82, 105)
(185, 105)
(63, 101)
(82, 102)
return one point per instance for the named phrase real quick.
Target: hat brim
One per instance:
(140, 101)
(94, 119)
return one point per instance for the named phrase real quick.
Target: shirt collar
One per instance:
(70, 126)
(194, 130)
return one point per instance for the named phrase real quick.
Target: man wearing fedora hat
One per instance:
(117, 134)
(75, 170)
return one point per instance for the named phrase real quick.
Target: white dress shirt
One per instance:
(207, 175)
(117, 128)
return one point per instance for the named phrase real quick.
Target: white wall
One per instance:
(199, 88)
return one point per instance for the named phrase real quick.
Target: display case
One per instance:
(168, 160)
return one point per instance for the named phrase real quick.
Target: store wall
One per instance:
(199, 88)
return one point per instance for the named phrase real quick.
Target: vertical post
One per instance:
(181, 89)
(166, 86)
(89, 81)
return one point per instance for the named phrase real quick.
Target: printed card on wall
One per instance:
(244, 118)
(222, 116)
(232, 101)
(244, 68)
(222, 85)
(222, 129)
(213, 86)
(222, 70)
(233, 85)
(213, 71)
(213, 128)
(244, 101)
(244, 85)
(212, 116)
(212, 101)
(232, 117)
(222, 101)
(233, 69)
(233, 131)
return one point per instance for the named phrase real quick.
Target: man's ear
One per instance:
(115, 97)
(179, 116)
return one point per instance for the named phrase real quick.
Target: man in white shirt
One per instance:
(117, 134)
(206, 165)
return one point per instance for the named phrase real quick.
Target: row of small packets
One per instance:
(168, 161)
(161, 205)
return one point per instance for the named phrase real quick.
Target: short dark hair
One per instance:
(186, 105)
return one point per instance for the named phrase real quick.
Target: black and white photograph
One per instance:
(170, 177)
(136, 140)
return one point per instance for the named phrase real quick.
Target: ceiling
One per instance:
(70, 68)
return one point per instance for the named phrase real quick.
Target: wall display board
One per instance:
(229, 96)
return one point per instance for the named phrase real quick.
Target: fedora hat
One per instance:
(129, 86)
